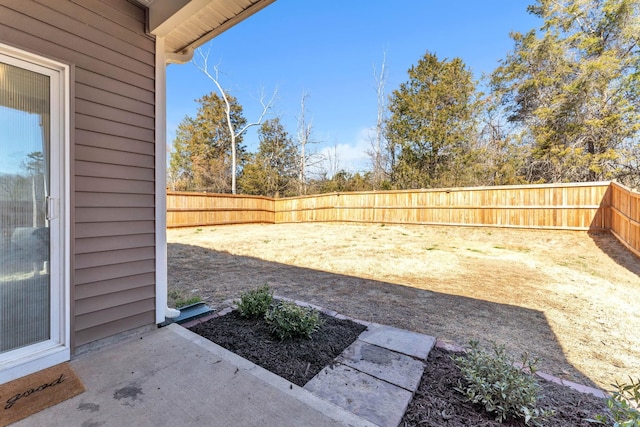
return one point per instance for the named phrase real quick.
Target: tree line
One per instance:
(562, 106)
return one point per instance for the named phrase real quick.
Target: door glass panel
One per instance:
(24, 187)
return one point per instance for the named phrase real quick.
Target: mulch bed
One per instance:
(436, 403)
(297, 360)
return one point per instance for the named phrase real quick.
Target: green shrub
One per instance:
(494, 382)
(288, 320)
(623, 404)
(255, 303)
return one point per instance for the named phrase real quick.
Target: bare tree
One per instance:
(333, 161)
(306, 157)
(203, 65)
(376, 154)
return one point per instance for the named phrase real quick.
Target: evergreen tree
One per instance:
(574, 89)
(272, 171)
(431, 123)
(343, 181)
(201, 156)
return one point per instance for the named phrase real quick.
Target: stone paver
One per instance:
(373, 399)
(384, 364)
(399, 340)
(376, 376)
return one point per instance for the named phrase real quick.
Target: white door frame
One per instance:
(23, 361)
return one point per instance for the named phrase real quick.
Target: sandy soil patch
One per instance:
(570, 298)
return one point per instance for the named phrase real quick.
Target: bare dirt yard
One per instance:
(571, 298)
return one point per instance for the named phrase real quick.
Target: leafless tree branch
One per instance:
(203, 65)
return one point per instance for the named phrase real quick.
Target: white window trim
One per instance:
(24, 361)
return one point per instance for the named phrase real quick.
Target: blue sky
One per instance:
(20, 134)
(328, 49)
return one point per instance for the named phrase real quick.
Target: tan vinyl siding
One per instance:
(108, 229)
(113, 243)
(92, 139)
(89, 334)
(95, 289)
(113, 153)
(114, 185)
(86, 276)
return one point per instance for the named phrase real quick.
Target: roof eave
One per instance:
(165, 18)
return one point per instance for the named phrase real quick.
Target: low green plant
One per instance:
(180, 303)
(256, 302)
(289, 320)
(178, 299)
(623, 404)
(501, 388)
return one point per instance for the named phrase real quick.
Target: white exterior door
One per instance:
(34, 277)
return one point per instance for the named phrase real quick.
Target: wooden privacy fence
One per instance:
(187, 209)
(624, 216)
(576, 206)
(558, 206)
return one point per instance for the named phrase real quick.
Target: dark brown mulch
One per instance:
(297, 360)
(437, 403)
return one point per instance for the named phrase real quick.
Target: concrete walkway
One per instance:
(171, 376)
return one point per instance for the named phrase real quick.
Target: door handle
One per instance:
(51, 208)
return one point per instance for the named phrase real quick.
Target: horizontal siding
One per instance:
(112, 243)
(101, 185)
(114, 100)
(98, 289)
(115, 157)
(121, 12)
(113, 114)
(118, 87)
(85, 336)
(87, 55)
(102, 258)
(100, 125)
(84, 11)
(114, 148)
(90, 138)
(102, 170)
(90, 320)
(108, 229)
(79, 32)
(112, 214)
(84, 276)
(124, 297)
(115, 200)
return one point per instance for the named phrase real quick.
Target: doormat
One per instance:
(33, 393)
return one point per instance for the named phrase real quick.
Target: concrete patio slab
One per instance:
(384, 364)
(173, 377)
(376, 400)
(401, 341)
